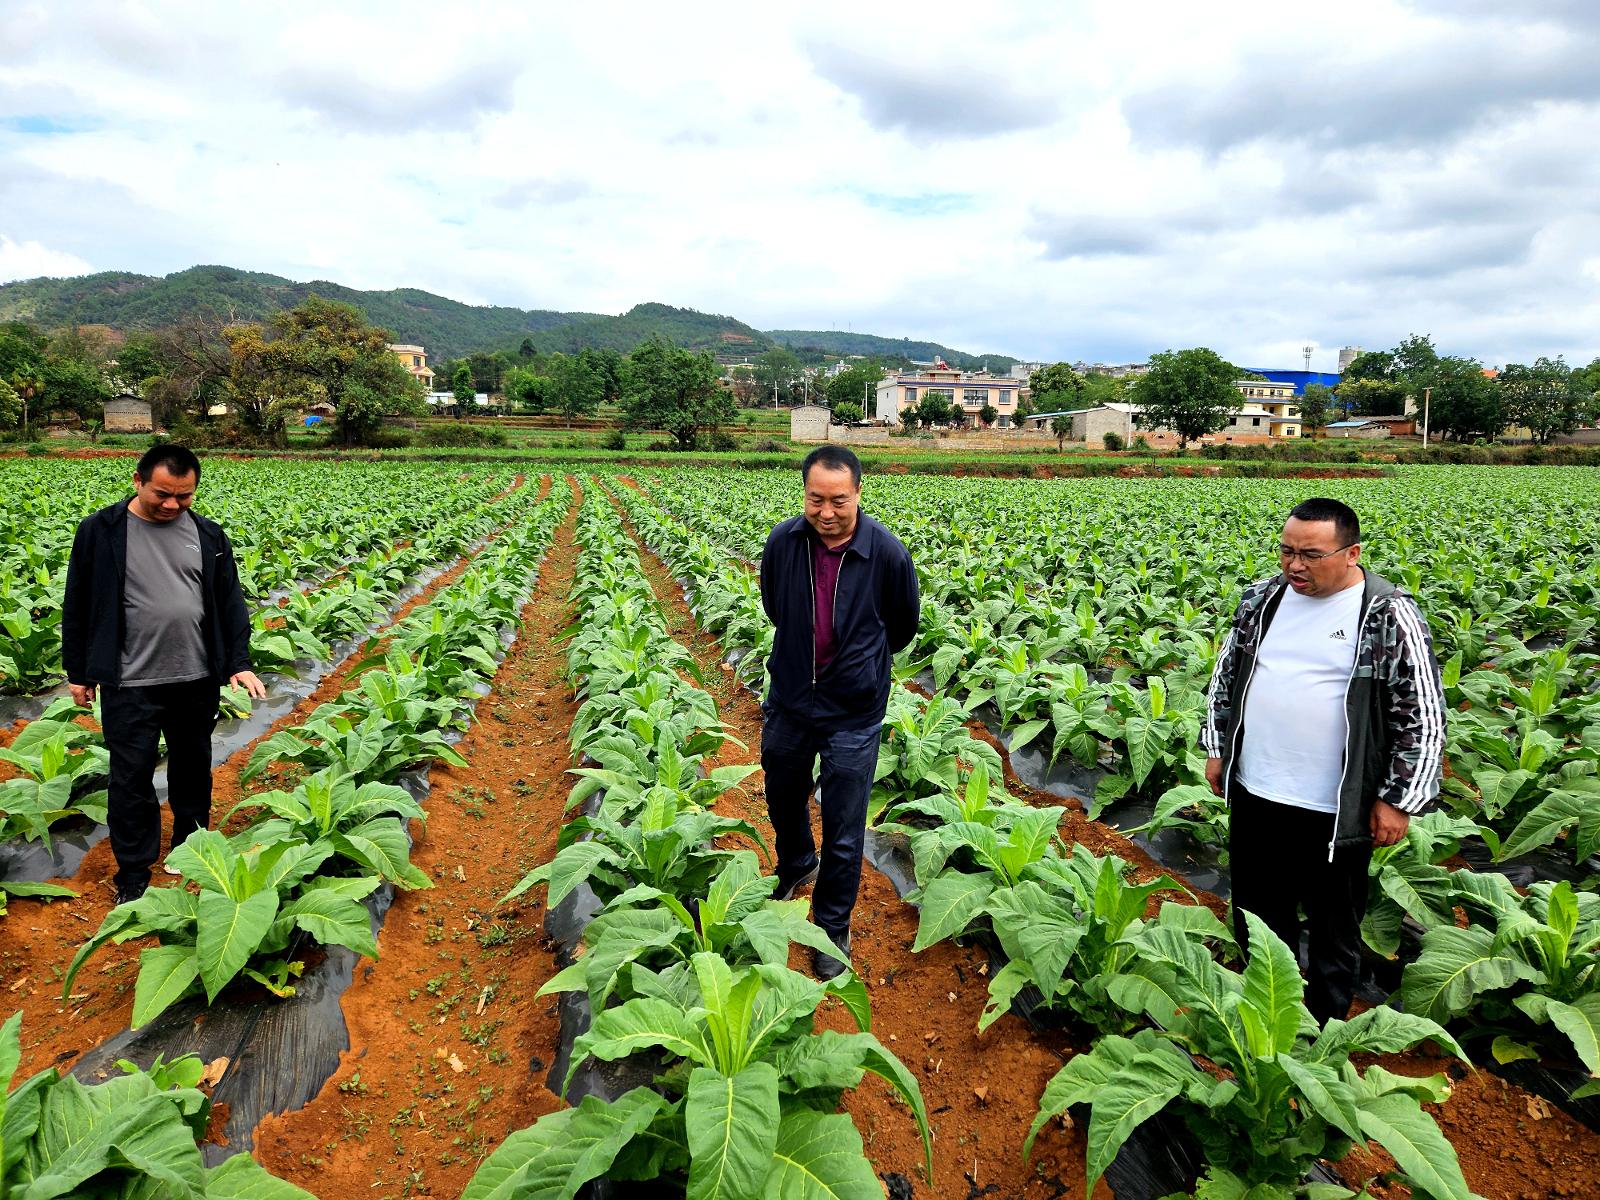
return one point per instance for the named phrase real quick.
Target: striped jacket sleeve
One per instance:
(1219, 697)
(1413, 700)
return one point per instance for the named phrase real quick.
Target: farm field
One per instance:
(1042, 921)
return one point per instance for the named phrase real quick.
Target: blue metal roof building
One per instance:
(1298, 378)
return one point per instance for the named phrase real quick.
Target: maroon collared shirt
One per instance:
(825, 564)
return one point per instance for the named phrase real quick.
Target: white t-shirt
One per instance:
(1294, 718)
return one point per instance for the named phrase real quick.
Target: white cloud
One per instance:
(1098, 180)
(26, 260)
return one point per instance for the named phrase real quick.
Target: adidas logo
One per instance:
(1337, 635)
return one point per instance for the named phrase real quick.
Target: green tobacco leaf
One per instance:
(1455, 966)
(206, 858)
(1130, 1097)
(1325, 1093)
(1379, 1030)
(732, 1128)
(1398, 1124)
(243, 1178)
(556, 1155)
(636, 1025)
(82, 1131)
(819, 1157)
(1507, 1050)
(333, 919)
(228, 934)
(1273, 989)
(949, 904)
(1580, 1021)
(166, 973)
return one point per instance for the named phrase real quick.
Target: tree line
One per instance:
(1192, 393)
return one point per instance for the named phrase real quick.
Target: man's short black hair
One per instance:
(180, 460)
(1319, 508)
(833, 457)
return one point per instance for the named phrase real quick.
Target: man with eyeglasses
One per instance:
(1325, 733)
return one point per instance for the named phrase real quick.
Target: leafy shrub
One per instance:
(461, 434)
(386, 439)
(1113, 440)
(719, 441)
(614, 440)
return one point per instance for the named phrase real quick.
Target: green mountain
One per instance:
(835, 342)
(448, 328)
(130, 302)
(681, 326)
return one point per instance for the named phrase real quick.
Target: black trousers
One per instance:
(1279, 857)
(789, 750)
(133, 720)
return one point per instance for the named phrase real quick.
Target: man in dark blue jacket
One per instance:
(154, 620)
(842, 592)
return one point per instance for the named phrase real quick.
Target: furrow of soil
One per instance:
(38, 940)
(925, 1007)
(448, 1044)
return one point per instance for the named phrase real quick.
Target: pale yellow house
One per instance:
(967, 392)
(415, 360)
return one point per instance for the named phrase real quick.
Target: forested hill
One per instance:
(130, 302)
(870, 344)
(448, 328)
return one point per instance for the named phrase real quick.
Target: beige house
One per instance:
(967, 392)
(415, 360)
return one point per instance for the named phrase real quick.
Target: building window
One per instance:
(974, 397)
(416, 360)
(1255, 420)
(911, 395)
(1005, 399)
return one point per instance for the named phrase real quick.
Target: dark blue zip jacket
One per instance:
(875, 611)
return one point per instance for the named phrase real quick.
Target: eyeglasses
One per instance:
(1288, 554)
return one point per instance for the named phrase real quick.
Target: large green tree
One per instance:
(576, 388)
(935, 408)
(10, 406)
(528, 388)
(329, 350)
(856, 384)
(1055, 388)
(1190, 392)
(1465, 403)
(664, 387)
(1316, 405)
(1545, 397)
(1369, 397)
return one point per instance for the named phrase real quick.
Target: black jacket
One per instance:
(875, 611)
(91, 611)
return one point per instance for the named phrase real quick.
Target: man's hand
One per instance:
(247, 680)
(82, 694)
(1388, 823)
(1214, 775)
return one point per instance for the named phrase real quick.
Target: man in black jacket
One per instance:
(155, 621)
(842, 592)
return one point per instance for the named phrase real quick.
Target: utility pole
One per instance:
(1427, 394)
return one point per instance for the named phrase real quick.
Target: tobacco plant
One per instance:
(1284, 1093)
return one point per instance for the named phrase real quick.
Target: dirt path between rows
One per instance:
(448, 1046)
(38, 941)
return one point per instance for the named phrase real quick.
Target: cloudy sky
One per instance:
(1048, 180)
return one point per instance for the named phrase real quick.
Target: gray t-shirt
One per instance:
(162, 606)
